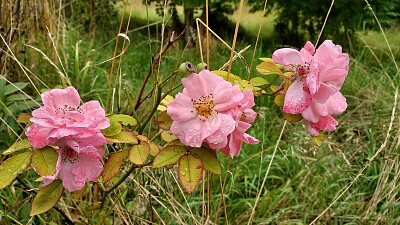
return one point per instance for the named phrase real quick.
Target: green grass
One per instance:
(303, 179)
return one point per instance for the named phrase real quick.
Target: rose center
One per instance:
(204, 105)
(302, 70)
(69, 155)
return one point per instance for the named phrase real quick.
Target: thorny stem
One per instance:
(155, 60)
(67, 219)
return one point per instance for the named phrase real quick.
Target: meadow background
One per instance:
(352, 178)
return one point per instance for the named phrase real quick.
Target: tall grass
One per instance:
(352, 178)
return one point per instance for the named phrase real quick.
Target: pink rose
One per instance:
(62, 115)
(197, 111)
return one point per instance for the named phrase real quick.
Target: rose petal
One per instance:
(296, 99)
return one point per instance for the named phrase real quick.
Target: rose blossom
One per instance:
(196, 111)
(78, 161)
(244, 115)
(62, 115)
(318, 75)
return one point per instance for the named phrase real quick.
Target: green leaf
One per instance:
(12, 88)
(169, 155)
(209, 159)
(19, 145)
(23, 106)
(44, 161)
(167, 136)
(279, 100)
(164, 120)
(116, 122)
(190, 171)
(47, 198)
(113, 165)
(17, 97)
(294, 118)
(124, 136)
(139, 153)
(258, 81)
(10, 168)
(267, 68)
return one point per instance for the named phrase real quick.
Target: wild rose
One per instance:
(62, 115)
(318, 74)
(196, 111)
(318, 116)
(244, 115)
(78, 161)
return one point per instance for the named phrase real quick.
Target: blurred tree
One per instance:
(190, 7)
(298, 21)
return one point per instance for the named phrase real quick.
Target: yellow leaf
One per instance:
(268, 68)
(19, 145)
(318, 139)
(167, 136)
(233, 79)
(44, 161)
(24, 118)
(169, 155)
(190, 171)
(113, 165)
(139, 153)
(279, 100)
(10, 168)
(294, 118)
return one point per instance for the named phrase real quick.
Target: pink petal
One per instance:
(59, 98)
(88, 168)
(212, 80)
(324, 92)
(38, 136)
(334, 76)
(95, 115)
(226, 96)
(296, 99)
(287, 56)
(181, 108)
(227, 126)
(325, 123)
(195, 85)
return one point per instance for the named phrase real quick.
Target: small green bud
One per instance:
(187, 68)
(201, 66)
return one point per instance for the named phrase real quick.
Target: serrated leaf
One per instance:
(294, 118)
(167, 136)
(318, 139)
(116, 122)
(124, 136)
(164, 121)
(139, 153)
(154, 149)
(10, 168)
(24, 118)
(209, 159)
(12, 88)
(267, 68)
(169, 155)
(258, 81)
(190, 171)
(279, 100)
(47, 198)
(19, 145)
(113, 165)
(233, 79)
(44, 161)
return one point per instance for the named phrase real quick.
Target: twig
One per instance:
(154, 61)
